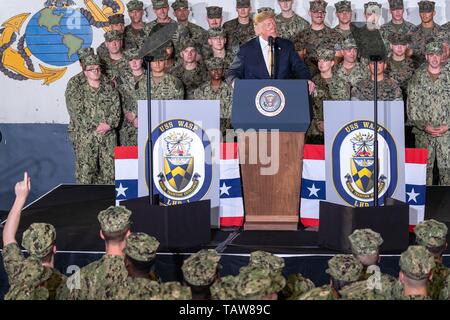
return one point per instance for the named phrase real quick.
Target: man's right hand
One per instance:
(23, 187)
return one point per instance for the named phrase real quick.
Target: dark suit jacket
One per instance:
(249, 62)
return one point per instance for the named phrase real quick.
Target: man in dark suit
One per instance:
(252, 60)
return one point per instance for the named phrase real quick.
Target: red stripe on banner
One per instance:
(228, 151)
(126, 152)
(232, 222)
(416, 155)
(308, 222)
(314, 152)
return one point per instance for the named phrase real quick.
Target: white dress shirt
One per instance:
(265, 51)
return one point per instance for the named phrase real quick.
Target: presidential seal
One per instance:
(270, 101)
(182, 162)
(353, 164)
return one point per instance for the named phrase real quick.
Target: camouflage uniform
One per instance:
(101, 279)
(73, 85)
(342, 268)
(416, 263)
(154, 25)
(201, 268)
(433, 234)
(224, 288)
(289, 28)
(174, 291)
(296, 285)
(389, 28)
(238, 34)
(342, 6)
(112, 69)
(388, 90)
(359, 72)
(224, 93)
(102, 50)
(133, 38)
(400, 71)
(256, 282)
(445, 292)
(428, 103)
(28, 278)
(422, 36)
(228, 59)
(266, 260)
(326, 89)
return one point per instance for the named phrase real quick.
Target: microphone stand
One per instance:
(272, 62)
(374, 59)
(152, 198)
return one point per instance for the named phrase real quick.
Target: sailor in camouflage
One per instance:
(397, 25)
(256, 282)
(187, 29)
(351, 70)
(224, 288)
(161, 10)
(425, 32)
(296, 285)
(343, 270)
(318, 35)
(72, 88)
(134, 35)
(239, 30)
(217, 89)
(289, 24)
(100, 279)
(388, 88)
(200, 271)
(328, 87)
(116, 22)
(140, 253)
(399, 66)
(214, 16)
(344, 14)
(174, 291)
(416, 264)
(97, 115)
(432, 235)
(216, 42)
(428, 101)
(114, 64)
(190, 71)
(34, 277)
(266, 260)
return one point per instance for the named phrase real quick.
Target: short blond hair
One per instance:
(264, 15)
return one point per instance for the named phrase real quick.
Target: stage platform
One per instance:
(73, 210)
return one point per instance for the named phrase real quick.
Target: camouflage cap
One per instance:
(243, 3)
(318, 5)
(216, 32)
(116, 19)
(426, 6)
(325, 54)
(135, 5)
(256, 282)
(201, 268)
(141, 247)
(434, 47)
(344, 267)
(342, 6)
(224, 288)
(188, 43)
(132, 53)
(396, 4)
(416, 262)
(113, 35)
(214, 63)
(266, 260)
(266, 9)
(114, 219)
(214, 12)
(296, 285)
(348, 44)
(175, 291)
(39, 239)
(84, 52)
(91, 60)
(158, 4)
(397, 38)
(372, 7)
(180, 4)
(365, 242)
(431, 233)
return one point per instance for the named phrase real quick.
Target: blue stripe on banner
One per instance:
(415, 194)
(126, 189)
(312, 189)
(230, 188)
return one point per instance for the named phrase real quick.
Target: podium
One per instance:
(270, 118)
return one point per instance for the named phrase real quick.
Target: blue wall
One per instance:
(44, 150)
